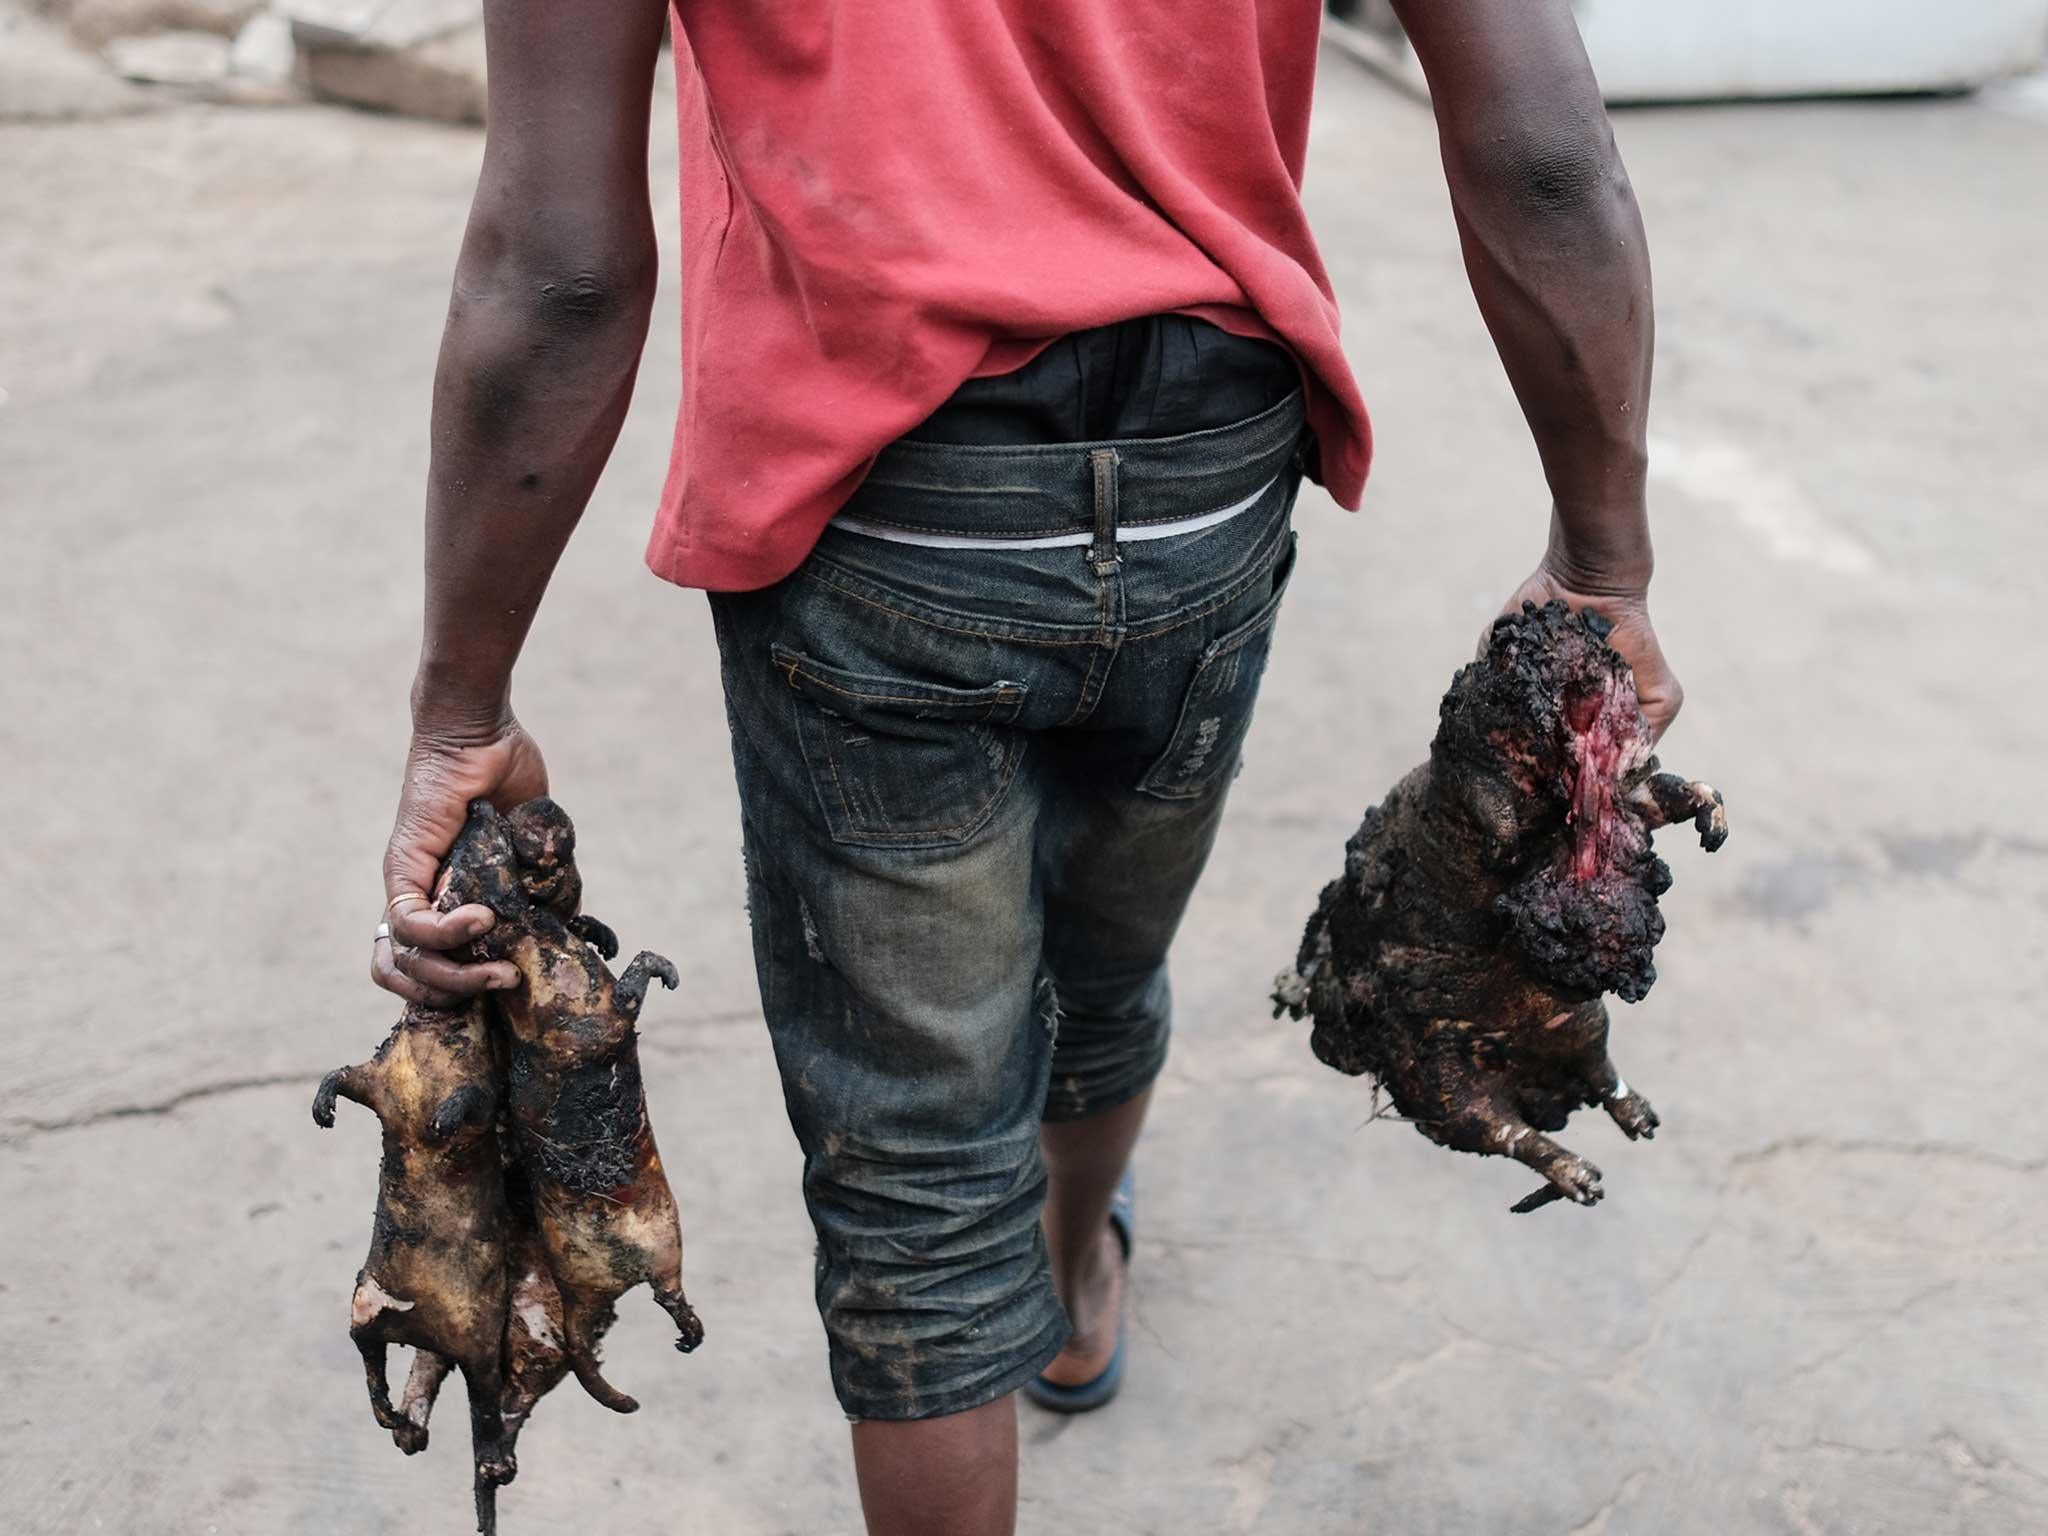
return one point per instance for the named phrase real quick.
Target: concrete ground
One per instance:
(1813, 1305)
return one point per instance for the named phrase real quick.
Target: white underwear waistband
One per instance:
(1052, 540)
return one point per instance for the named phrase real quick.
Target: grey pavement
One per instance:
(1813, 1305)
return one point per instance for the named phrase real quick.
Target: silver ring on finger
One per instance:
(382, 935)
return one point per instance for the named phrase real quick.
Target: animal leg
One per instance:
(1571, 1176)
(630, 991)
(471, 1104)
(597, 935)
(668, 1295)
(1664, 798)
(494, 1462)
(490, 1449)
(579, 1342)
(371, 1343)
(422, 1386)
(1629, 1109)
(666, 1283)
(350, 1083)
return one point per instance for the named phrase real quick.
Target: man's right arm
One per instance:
(545, 327)
(1558, 261)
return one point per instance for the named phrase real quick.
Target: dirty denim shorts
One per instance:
(978, 784)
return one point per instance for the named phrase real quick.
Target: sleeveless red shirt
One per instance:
(884, 198)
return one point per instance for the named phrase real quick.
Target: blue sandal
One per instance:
(1089, 1395)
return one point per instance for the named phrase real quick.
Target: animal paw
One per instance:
(1711, 821)
(1577, 1179)
(1632, 1112)
(597, 935)
(496, 1466)
(689, 1330)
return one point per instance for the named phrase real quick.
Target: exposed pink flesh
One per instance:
(1603, 736)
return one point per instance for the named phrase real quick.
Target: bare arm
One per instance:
(545, 327)
(1557, 258)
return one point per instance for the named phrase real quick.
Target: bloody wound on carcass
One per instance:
(1495, 894)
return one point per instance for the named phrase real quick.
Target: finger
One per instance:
(446, 976)
(412, 859)
(386, 974)
(430, 817)
(418, 925)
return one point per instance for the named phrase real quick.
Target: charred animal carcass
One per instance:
(605, 1215)
(436, 1275)
(1495, 895)
(482, 1252)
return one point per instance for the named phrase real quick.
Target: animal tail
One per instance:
(486, 1508)
(581, 1348)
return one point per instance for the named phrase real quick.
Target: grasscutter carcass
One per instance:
(604, 1212)
(492, 1199)
(436, 1275)
(1495, 895)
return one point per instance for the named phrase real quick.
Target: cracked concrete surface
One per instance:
(1813, 1305)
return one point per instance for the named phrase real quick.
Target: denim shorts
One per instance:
(978, 784)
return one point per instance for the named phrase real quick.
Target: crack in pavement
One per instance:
(17, 1132)
(1595, 1524)
(1867, 1334)
(1850, 1146)
(28, 1130)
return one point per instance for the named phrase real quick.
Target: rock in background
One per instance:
(97, 23)
(421, 58)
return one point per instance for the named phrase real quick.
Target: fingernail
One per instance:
(502, 983)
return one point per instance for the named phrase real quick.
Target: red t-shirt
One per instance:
(884, 198)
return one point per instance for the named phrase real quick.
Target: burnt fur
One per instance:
(604, 1212)
(1492, 898)
(461, 1262)
(435, 1277)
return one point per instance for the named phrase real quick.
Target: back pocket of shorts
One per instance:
(902, 764)
(1217, 711)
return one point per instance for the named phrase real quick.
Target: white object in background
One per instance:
(263, 50)
(1705, 50)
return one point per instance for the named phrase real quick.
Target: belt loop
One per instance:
(1102, 553)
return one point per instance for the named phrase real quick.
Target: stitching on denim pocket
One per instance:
(1213, 717)
(842, 717)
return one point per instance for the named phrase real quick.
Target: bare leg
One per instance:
(1085, 1158)
(429, 1370)
(952, 1476)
